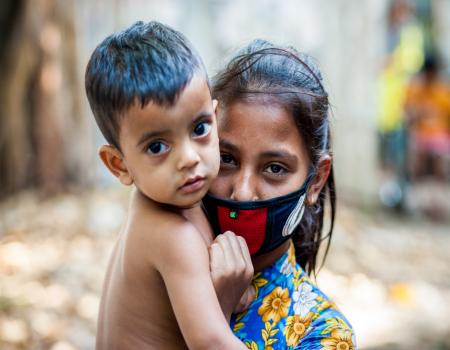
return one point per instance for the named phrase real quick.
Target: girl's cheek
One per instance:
(221, 186)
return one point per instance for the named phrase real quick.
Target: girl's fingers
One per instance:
(228, 255)
(235, 247)
(216, 256)
(246, 256)
(244, 250)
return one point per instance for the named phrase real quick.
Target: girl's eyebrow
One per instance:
(228, 145)
(267, 154)
(280, 154)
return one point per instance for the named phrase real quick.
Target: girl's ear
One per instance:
(113, 160)
(319, 180)
(215, 104)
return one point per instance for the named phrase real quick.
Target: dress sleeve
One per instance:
(330, 331)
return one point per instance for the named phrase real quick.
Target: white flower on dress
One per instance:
(286, 268)
(304, 299)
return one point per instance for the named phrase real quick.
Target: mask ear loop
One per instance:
(294, 217)
(297, 214)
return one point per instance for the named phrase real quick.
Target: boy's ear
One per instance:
(319, 180)
(113, 160)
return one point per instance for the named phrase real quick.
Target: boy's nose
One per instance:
(244, 187)
(189, 157)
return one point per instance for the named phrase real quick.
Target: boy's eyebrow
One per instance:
(201, 115)
(151, 134)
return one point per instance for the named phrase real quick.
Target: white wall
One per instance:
(346, 36)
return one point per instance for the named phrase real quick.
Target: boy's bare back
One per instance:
(136, 312)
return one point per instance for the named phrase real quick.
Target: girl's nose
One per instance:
(189, 156)
(244, 187)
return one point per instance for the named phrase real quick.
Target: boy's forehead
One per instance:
(193, 100)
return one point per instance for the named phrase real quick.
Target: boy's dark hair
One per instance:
(291, 79)
(147, 62)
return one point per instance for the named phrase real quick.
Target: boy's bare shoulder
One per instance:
(167, 234)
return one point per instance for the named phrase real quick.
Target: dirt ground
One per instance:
(390, 275)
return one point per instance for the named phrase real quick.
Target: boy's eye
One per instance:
(157, 148)
(201, 129)
(276, 169)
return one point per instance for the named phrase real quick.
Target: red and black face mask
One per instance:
(265, 224)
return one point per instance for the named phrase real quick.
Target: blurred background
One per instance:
(386, 65)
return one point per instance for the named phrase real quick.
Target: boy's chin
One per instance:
(178, 201)
(183, 203)
(180, 205)
(188, 203)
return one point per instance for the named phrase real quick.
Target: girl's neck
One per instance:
(260, 262)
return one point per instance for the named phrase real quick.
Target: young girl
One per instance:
(276, 171)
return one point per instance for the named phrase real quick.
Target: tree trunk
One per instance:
(39, 96)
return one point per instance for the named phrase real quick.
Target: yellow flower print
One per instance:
(275, 305)
(252, 345)
(335, 324)
(291, 255)
(340, 339)
(267, 334)
(257, 283)
(326, 304)
(296, 327)
(238, 326)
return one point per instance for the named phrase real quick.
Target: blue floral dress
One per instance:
(290, 312)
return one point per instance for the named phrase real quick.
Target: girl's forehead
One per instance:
(254, 127)
(257, 119)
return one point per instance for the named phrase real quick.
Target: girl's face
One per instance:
(262, 152)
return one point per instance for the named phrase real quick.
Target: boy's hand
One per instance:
(231, 271)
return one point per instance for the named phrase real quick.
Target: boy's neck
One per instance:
(147, 201)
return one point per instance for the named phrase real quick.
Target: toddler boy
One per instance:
(149, 93)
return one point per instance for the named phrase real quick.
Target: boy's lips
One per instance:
(193, 184)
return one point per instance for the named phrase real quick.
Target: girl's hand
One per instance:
(246, 299)
(231, 271)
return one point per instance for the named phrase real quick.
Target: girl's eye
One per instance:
(157, 148)
(202, 129)
(226, 159)
(276, 169)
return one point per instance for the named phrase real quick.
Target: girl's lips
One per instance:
(193, 185)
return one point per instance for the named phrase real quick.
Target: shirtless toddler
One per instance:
(149, 93)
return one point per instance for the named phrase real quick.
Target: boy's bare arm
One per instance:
(183, 262)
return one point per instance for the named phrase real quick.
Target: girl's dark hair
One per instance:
(284, 76)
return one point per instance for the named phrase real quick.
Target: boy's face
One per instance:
(172, 153)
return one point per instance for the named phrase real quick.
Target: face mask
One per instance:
(265, 224)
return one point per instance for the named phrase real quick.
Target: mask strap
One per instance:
(294, 217)
(297, 213)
